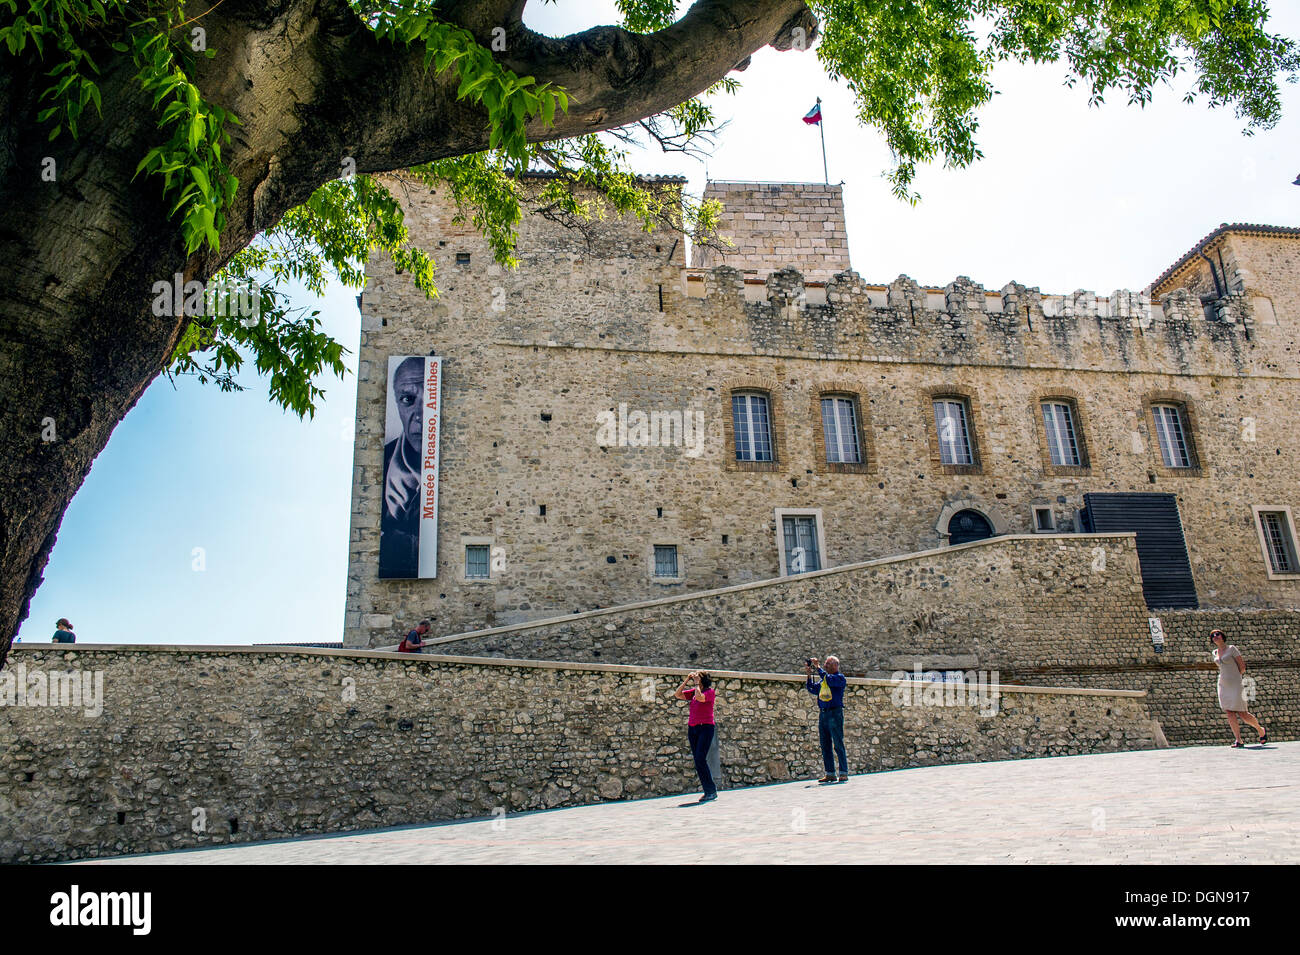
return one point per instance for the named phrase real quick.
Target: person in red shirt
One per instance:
(697, 689)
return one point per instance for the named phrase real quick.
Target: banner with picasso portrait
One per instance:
(408, 528)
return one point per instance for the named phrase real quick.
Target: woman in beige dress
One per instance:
(1231, 694)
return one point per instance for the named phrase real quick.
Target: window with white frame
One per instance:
(666, 560)
(840, 431)
(478, 561)
(802, 547)
(1062, 440)
(1278, 537)
(752, 427)
(1044, 520)
(952, 424)
(1171, 434)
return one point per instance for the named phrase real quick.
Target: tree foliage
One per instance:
(919, 71)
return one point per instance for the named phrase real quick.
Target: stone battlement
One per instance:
(792, 287)
(963, 322)
(775, 292)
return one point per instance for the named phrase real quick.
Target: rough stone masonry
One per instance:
(1036, 609)
(202, 746)
(609, 323)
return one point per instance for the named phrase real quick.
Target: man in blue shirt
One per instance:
(828, 686)
(414, 642)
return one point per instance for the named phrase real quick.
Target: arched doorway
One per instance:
(966, 526)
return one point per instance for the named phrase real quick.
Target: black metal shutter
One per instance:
(1162, 550)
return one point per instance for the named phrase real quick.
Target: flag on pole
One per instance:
(814, 118)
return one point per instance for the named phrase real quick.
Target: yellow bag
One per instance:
(825, 694)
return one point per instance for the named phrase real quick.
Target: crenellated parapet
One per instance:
(785, 286)
(964, 322)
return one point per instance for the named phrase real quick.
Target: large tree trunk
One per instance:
(78, 342)
(79, 255)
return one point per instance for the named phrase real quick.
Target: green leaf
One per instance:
(201, 179)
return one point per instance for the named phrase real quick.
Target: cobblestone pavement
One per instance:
(1192, 805)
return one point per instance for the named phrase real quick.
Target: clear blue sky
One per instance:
(1066, 197)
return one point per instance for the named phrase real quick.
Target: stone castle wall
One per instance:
(608, 322)
(769, 226)
(1259, 263)
(204, 746)
(997, 604)
(1182, 680)
(1048, 611)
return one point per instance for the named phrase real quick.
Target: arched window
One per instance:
(969, 525)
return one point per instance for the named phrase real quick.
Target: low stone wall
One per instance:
(197, 746)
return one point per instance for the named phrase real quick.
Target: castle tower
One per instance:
(778, 225)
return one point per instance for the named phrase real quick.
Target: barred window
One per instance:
(1278, 542)
(1171, 432)
(840, 431)
(752, 427)
(952, 423)
(666, 560)
(477, 561)
(1062, 442)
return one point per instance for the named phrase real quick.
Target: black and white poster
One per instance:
(408, 529)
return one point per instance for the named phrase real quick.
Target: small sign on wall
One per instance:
(1157, 634)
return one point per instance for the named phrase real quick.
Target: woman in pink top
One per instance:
(698, 690)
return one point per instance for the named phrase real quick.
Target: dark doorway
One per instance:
(1162, 551)
(967, 526)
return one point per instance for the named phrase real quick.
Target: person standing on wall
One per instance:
(697, 690)
(413, 642)
(1231, 693)
(63, 631)
(828, 686)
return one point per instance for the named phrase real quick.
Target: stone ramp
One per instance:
(1195, 805)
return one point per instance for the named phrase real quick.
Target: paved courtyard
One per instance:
(1193, 805)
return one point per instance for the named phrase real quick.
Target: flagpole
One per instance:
(821, 128)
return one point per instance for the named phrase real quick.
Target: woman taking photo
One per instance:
(697, 689)
(1231, 696)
